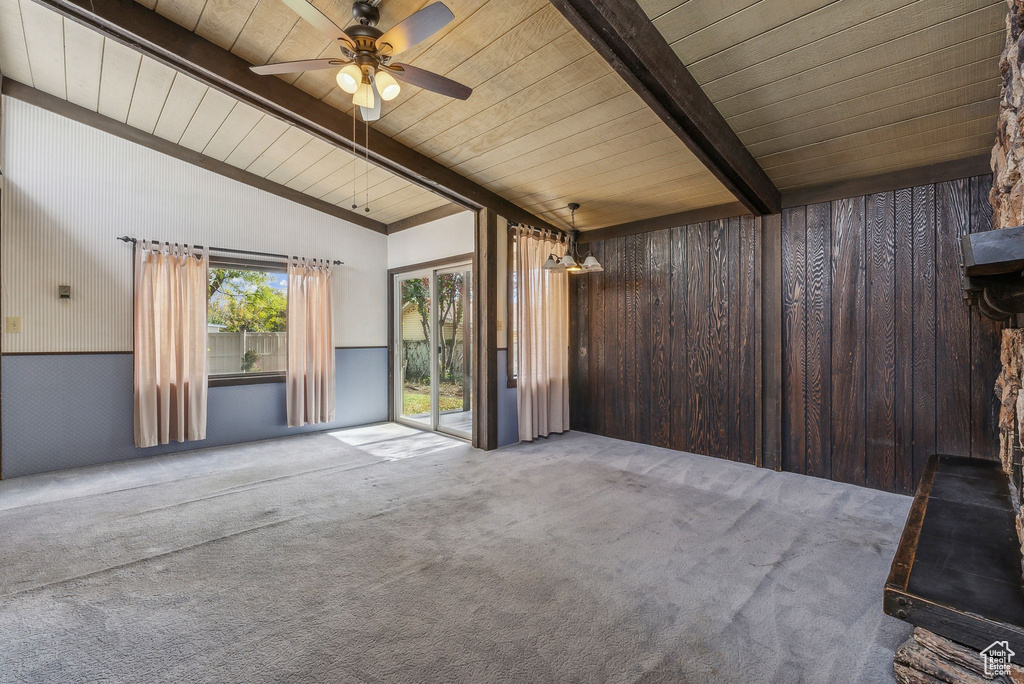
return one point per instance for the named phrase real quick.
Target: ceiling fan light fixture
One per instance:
(349, 78)
(363, 96)
(387, 86)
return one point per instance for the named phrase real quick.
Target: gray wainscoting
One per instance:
(508, 410)
(69, 410)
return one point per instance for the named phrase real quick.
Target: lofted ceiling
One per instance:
(549, 122)
(42, 49)
(817, 90)
(825, 90)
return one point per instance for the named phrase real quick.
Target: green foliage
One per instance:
(449, 311)
(249, 360)
(246, 300)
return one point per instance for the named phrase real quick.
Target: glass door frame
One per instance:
(430, 272)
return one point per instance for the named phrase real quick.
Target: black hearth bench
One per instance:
(957, 570)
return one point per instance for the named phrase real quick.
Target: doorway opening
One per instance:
(432, 348)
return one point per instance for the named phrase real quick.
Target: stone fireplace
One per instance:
(999, 294)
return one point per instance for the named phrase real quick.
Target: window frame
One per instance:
(511, 375)
(241, 262)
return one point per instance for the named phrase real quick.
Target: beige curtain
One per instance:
(542, 311)
(170, 343)
(310, 379)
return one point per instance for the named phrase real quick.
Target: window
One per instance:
(512, 353)
(247, 315)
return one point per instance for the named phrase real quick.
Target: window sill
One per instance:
(244, 379)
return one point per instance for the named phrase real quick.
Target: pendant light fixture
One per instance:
(572, 262)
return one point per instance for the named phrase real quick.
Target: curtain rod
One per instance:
(556, 234)
(125, 238)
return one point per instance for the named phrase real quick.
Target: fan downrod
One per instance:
(365, 13)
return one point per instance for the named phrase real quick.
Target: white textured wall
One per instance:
(69, 190)
(449, 236)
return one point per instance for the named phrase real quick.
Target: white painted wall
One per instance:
(69, 190)
(449, 236)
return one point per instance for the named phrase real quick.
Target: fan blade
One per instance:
(428, 80)
(299, 65)
(319, 20)
(416, 27)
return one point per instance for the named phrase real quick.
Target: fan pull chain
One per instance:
(367, 183)
(353, 163)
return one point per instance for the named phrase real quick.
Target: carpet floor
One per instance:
(383, 554)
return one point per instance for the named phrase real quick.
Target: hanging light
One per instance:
(349, 78)
(552, 264)
(363, 96)
(387, 86)
(571, 261)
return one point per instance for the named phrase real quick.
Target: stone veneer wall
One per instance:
(1007, 199)
(1011, 410)
(1007, 196)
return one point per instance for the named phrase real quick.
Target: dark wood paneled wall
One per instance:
(665, 340)
(882, 361)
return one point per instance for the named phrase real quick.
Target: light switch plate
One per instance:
(12, 324)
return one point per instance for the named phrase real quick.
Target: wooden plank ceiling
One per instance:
(826, 90)
(818, 90)
(548, 123)
(42, 49)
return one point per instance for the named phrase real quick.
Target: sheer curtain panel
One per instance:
(542, 338)
(170, 343)
(310, 380)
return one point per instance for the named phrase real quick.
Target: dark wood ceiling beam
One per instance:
(146, 31)
(621, 33)
(20, 91)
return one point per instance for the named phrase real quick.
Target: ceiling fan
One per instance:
(368, 72)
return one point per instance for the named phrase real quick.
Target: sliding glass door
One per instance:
(433, 349)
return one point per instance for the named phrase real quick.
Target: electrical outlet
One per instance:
(12, 324)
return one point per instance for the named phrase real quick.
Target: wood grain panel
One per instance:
(881, 340)
(794, 336)
(818, 340)
(678, 343)
(698, 304)
(985, 336)
(848, 341)
(599, 414)
(903, 335)
(952, 321)
(659, 273)
(717, 352)
(924, 368)
(747, 390)
(641, 316)
(629, 332)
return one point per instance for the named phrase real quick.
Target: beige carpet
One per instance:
(382, 554)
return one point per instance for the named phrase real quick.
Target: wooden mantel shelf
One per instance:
(993, 262)
(957, 570)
